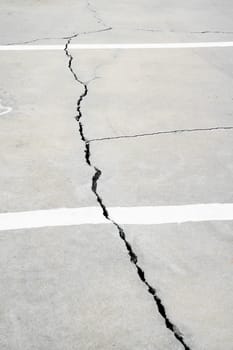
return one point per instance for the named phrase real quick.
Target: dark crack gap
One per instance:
(176, 131)
(94, 187)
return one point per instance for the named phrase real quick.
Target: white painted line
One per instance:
(172, 214)
(117, 46)
(122, 215)
(51, 217)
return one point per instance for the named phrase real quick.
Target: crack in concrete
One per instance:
(94, 187)
(183, 31)
(95, 14)
(211, 32)
(176, 131)
(61, 38)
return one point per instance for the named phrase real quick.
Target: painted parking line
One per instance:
(58, 47)
(122, 215)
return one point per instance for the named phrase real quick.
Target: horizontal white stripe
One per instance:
(172, 214)
(117, 46)
(122, 215)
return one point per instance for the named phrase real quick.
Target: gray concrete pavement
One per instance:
(75, 287)
(132, 93)
(192, 266)
(42, 163)
(141, 91)
(130, 21)
(166, 169)
(29, 20)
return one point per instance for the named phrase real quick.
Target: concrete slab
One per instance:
(74, 288)
(143, 91)
(42, 161)
(161, 21)
(166, 170)
(23, 21)
(191, 267)
(133, 93)
(131, 21)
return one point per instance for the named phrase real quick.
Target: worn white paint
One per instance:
(4, 109)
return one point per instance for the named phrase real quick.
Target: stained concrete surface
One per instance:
(75, 288)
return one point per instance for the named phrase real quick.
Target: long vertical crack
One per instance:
(97, 174)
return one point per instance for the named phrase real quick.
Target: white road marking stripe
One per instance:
(122, 215)
(117, 46)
